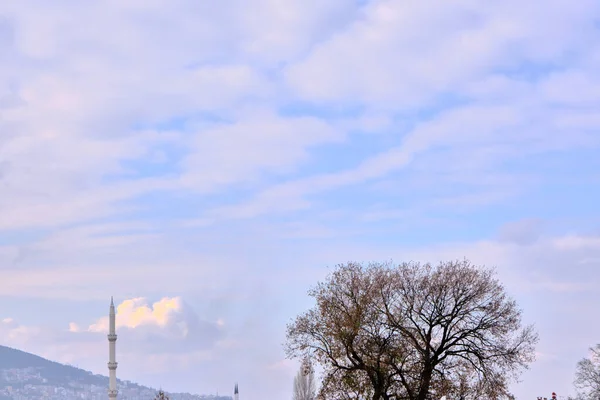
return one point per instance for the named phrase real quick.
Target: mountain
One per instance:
(25, 375)
(52, 371)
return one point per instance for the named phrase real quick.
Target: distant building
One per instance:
(112, 359)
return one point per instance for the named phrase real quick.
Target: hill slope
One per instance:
(18, 369)
(53, 372)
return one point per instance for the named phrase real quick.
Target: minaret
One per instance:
(112, 363)
(236, 394)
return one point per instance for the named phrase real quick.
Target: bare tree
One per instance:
(587, 376)
(304, 382)
(413, 332)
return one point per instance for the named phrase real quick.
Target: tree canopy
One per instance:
(413, 332)
(587, 376)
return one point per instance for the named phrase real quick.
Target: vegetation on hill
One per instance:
(48, 372)
(53, 372)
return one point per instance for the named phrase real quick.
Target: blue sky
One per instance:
(208, 162)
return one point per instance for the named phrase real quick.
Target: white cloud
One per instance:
(16, 334)
(78, 128)
(73, 327)
(63, 207)
(76, 114)
(146, 335)
(469, 142)
(387, 57)
(132, 313)
(258, 143)
(521, 232)
(576, 242)
(574, 87)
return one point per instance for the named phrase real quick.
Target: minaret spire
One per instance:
(236, 394)
(112, 362)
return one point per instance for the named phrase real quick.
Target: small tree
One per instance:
(587, 376)
(161, 395)
(304, 382)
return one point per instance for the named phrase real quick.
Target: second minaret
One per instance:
(112, 359)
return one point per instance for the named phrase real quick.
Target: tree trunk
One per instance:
(377, 389)
(376, 395)
(425, 382)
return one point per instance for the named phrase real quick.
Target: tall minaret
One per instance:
(236, 394)
(112, 362)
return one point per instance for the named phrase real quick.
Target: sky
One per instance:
(207, 162)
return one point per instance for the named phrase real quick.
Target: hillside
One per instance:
(53, 372)
(26, 372)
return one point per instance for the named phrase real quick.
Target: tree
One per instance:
(304, 382)
(161, 396)
(587, 376)
(413, 332)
